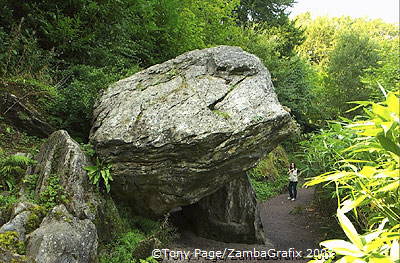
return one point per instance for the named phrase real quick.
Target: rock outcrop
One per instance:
(180, 131)
(63, 238)
(230, 214)
(62, 156)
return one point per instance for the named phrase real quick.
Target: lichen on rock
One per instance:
(167, 145)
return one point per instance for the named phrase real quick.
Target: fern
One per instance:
(100, 173)
(12, 167)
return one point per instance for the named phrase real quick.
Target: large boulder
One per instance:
(229, 215)
(178, 131)
(63, 238)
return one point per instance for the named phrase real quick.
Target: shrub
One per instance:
(371, 190)
(12, 168)
(53, 194)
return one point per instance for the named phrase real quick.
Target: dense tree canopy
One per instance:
(80, 46)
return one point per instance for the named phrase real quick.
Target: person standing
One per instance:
(293, 179)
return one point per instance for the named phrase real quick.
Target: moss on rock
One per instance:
(10, 241)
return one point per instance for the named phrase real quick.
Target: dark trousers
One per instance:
(292, 189)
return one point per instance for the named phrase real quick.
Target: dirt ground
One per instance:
(288, 225)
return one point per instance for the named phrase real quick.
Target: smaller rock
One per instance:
(145, 247)
(63, 238)
(17, 224)
(62, 156)
(7, 256)
(26, 217)
(21, 207)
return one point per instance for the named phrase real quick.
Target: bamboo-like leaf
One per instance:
(380, 260)
(349, 229)
(395, 250)
(368, 171)
(389, 187)
(90, 168)
(353, 161)
(371, 132)
(393, 103)
(351, 204)
(96, 178)
(342, 247)
(371, 236)
(381, 111)
(389, 145)
(351, 259)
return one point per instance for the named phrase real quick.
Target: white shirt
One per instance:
(293, 175)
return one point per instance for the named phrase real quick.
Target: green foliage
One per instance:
(12, 140)
(136, 243)
(269, 177)
(76, 100)
(88, 149)
(122, 248)
(35, 218)
(100, 173)
(351, 56)
(30, 181)
(12, 168)
(321, 151)
(20, 54)
(271, 11)
(387, 73)
(371, 190)
(7, 201)
(53, 194)
(10, 242)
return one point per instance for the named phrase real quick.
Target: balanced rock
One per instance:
(181, 130)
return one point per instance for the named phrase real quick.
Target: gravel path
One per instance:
(286, 223)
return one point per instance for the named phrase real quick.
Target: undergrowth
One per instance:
(139, 237)
(269, 177)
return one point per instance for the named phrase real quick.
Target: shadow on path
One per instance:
(286, 223)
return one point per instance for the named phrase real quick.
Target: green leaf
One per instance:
(90, 168)
(389, 187)
(388, 144)
(342, 247)
(381, 111)
(380, 260)
(349, 229)
(351, 204)
(393, 103)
